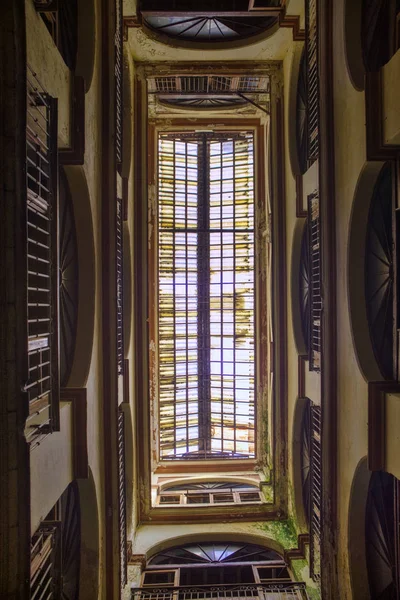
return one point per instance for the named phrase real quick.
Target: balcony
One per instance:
(273, 590)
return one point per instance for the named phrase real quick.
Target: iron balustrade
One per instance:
(45, 568)
(274, 590)
(312, 79)
(119, 284)
(118, 81)
(315, 281)
(122, 499)
(42, 387)
(315, 491)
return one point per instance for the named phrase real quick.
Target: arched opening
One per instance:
(127, 290)
(79, 194)
(357, 272)
(86, 46)
(379, 23)
(352, 42)
(301, 462)
(301, 116)
(300, 286)
(356, 530)
(90, 541)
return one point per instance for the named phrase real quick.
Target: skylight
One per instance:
(206, 295)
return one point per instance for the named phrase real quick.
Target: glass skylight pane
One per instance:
(206, 296)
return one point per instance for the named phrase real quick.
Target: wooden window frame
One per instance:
(260, 266)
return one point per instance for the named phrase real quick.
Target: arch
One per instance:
(211, 45)
(87, 276)
(86, 52)
(356, 530)
(210, 552)
(352, 42)
(356, 271)
(297, 60)
(90, 540)
(127, 141)
(266, 542)
(297, 318)
(127, 288)
(301, 407)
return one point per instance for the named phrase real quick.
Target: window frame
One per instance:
(261, 261)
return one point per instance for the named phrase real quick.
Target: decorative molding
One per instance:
(136, 559)
(293, 21)
(376, 148)
(377, 391)
(129, 22)
(78, 398)
(303, 539)
(75, 155)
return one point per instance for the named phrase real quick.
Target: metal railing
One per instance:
(315, 281)
(274, 590)
(312, 79)
(119, 283)
(42, 386)
(316, 492)
(122, 498)
(118, 81)
(45, 568)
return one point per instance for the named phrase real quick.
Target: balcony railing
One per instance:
(45, 568)
(118, 80)
(274, 590)
(316, 492)
(312, 79)
(119, 283)
(42, 386)
(122, 499)
(315, 281)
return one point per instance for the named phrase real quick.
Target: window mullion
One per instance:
(203, 286)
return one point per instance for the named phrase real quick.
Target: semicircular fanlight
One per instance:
(214, 552)
(209, 29)
(379, 272)
(305, 462)
(69, 274)
(70, 543)
(301, 115)
(205, 102)
(304, 286)
(378, 32)
(381, 536)
(212, 485)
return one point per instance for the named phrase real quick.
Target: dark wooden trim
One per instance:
(293, 21)
(126, 398)
(75, 155)
(301, 375)
(329, 315)
(376, 149)
(78, 397)
(377, 391)
(303, 539)
(300, 211)
(125, 198)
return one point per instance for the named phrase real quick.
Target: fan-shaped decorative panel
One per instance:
(379, 272)
(69, 274)
(70, 543)
(209, 29)
(301, 115)
(305, 462)
(304, 287)
(382, 537)
(215, 485)
(218, 552)
(205, 102)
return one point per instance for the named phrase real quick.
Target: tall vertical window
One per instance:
(206, 295)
